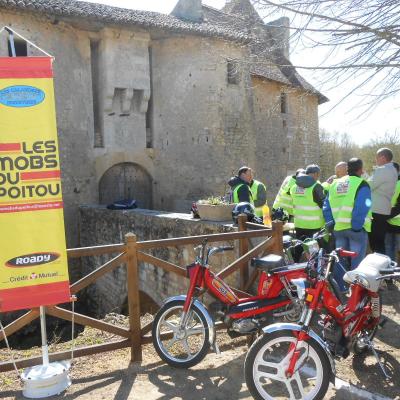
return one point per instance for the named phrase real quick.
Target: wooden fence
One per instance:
(131, 253)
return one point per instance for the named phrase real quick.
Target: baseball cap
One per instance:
(312, 169)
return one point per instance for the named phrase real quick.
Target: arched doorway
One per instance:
(126, 181)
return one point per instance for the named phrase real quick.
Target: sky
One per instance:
(334, 117)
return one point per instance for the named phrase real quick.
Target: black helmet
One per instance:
(243, 208)
(280, 215)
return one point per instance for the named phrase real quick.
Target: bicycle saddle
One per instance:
(268, 262)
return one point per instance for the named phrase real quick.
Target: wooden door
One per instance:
(126, 181)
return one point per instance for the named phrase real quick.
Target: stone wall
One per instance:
(205, 132)
(287, 140)
(102, 226)
(160, 103)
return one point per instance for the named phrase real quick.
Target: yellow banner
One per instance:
(33, 261)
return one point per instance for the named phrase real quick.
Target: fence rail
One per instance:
(131, 253)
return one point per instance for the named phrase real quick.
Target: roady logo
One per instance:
(30, 260)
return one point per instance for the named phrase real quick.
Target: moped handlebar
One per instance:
(203, 254)
(389, 271)
(389, 276)
(346, 253)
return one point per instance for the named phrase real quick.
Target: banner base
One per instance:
(44, 381)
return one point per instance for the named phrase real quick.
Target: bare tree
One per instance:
(335, 147)
(360, 39)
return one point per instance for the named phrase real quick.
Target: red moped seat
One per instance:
(268, 262)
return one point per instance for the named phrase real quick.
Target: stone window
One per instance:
(150, 106)
(233, 72)
(94, 63)
(284, 103)
(21, 48)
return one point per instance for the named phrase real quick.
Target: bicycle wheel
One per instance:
(268, 359)
(188, 346)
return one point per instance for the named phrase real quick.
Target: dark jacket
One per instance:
(244, 192)
(307, 181)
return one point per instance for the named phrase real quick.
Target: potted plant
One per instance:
(215, 209)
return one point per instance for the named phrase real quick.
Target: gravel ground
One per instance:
(217, 377)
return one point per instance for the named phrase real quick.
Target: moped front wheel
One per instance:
(180, 347)
(267, 362)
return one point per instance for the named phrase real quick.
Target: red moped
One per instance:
(292, 361)
(190, 325)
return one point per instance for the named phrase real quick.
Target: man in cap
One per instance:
(308, 197)
(240, 186)
(348, 206)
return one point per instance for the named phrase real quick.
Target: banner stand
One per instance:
(33, 262)
(48, 379)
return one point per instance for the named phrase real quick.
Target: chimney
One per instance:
(280, 31)
(189, 10)
(244, 9)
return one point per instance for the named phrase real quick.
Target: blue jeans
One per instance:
(352, 241)
(392, 244)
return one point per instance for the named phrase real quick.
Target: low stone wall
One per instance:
(99, 226)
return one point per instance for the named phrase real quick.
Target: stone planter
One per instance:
(221, 212)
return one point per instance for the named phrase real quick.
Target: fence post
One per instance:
(133, 296)
(243, 249)
(277, 233)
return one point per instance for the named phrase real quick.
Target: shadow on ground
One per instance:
(212, 382)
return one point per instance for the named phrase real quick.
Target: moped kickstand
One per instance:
(371, 346)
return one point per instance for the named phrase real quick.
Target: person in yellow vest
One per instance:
(392, 238)
(340, 172)
(240, 186)
(259, 193)
(348, 205)
(308, 197)
(283, 199)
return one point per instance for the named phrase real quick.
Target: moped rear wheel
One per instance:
(268, 359)
(182, 348)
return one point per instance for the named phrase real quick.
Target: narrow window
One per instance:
(94, 61)
(284, 103)
(21, 47)
(232, 72)
(150, 106)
